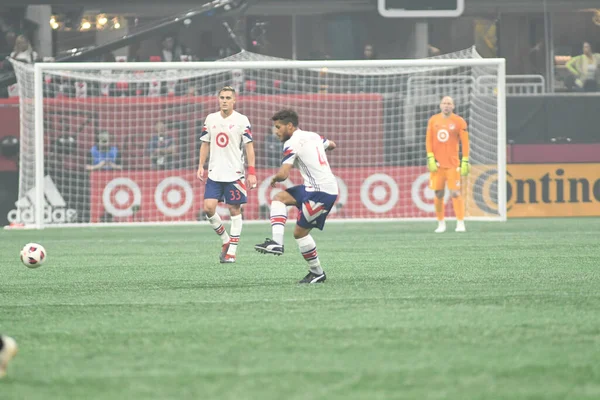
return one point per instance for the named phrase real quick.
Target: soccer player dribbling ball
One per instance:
(222, 136)
(444, 133)
(314, 198)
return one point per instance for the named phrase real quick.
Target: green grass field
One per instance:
(505, 311)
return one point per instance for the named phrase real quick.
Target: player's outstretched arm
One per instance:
(331, 145)
(282, 174)
(204, 150)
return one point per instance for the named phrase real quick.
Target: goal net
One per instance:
(118, 143)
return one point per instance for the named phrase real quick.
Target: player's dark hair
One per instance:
(227, 89)
(286, 116)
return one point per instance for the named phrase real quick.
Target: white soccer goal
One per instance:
(376, 111)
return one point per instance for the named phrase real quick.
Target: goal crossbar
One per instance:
(300, 64)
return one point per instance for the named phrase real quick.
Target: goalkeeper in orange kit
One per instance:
(444, 132)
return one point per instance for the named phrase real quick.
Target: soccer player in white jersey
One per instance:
(314, 199)
(223, 136)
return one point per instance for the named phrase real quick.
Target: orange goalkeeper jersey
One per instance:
(443, 135)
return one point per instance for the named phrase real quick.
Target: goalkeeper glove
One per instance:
(465, 167)
(431, 164)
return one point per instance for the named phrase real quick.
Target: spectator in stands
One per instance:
(104, 155)
(23, 50)
(161, 148)
(585, 68)
(369, 52)
(170, 51)
(187, 51)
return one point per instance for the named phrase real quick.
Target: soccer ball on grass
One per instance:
(33, 255)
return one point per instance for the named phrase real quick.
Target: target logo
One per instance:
(379, 193)
(266, 192)
(120, 196)
(173, 196)
(222, 139)
(422, 196)
(443, 135)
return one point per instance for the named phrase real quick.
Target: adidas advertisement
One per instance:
(55, 207)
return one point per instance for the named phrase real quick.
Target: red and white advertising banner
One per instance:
(177, 195)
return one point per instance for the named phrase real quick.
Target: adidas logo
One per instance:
(55, 207)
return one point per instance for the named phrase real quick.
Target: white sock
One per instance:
(235, 230)
(217, 224)
(278, 218)
(308, 248)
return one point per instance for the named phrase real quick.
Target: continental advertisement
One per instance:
(537, 190)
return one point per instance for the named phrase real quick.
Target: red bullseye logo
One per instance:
(443, 135)
(222, 139)
(120, 196)
(379, 193)
(173, 196)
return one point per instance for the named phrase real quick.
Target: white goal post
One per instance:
(144, 119)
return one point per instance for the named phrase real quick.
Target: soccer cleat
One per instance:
(9, 350)
(311, 277)
(228, 259)
(223, 252)
(269, 246)
(460, 226)
(441, 227)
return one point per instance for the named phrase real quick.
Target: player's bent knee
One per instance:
(277, 197)
(210, 208)
(285, 198)
(300, 232)
(455, 193)
(439, 194)
(235, 210)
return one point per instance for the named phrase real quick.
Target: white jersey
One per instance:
(306, 151)
(226, 137)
